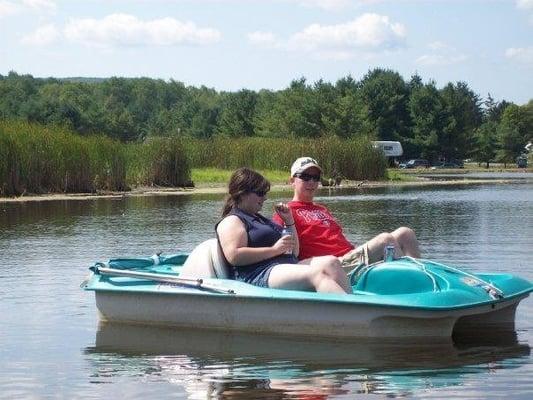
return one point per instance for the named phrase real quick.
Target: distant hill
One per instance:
(82, 79)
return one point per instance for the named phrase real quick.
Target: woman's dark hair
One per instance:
(242, 181)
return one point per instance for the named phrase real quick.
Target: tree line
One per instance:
(445, 123)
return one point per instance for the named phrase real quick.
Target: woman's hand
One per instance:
(284, 213)
(284, 244)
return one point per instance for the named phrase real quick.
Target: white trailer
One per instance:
(389, 148)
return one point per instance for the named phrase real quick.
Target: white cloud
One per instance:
(8, 8)
(40, 4)
(263, 39)
(128, 30)
(43, 35)
(438, 45)
(520, 54)
(441, 54)
(367, 32)
(335, 5)
(525, 4)
(439, 60)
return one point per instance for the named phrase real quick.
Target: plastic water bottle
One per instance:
(286, 231)
(389, 253)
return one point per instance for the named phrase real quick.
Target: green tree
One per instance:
(428, 117)
(197, 115)
(347, 116)
(17, 93)
(493, 110)
(520, 117)
(265, 123)
(510, 143)
(486, 142)
(294, 113)
(386, 96)
(462, 109)
(238, 112)
(116, 95)
(166, 118)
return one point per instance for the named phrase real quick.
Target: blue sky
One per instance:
(231, 44)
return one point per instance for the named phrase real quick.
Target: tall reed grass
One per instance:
(354, 159)
(45, 159)
(160, 161)
(42, 159)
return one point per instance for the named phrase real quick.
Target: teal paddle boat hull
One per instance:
(404, 298)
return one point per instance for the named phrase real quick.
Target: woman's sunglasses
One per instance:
(306, 177)
(260, 193)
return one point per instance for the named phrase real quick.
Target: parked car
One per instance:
(521, 162)
(415, 163)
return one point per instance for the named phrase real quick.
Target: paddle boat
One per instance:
(402, 298)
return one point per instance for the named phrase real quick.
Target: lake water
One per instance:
(52, 347)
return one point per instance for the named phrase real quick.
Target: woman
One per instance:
(254, 247)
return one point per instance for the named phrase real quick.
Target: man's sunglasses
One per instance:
(260, 193)
(307, 177)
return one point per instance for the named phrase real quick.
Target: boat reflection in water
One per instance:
(220, 364)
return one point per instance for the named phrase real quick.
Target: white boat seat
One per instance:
(206, 261)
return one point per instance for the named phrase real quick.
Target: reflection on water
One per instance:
(47, 333)
(219, 364)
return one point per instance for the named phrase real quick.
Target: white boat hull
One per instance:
(299, 317)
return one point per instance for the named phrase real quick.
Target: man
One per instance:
(320, 234)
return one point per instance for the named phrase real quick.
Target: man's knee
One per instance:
(405, 233)
(385, 238)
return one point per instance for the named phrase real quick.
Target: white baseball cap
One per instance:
(303, 163)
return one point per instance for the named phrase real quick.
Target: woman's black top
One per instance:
(261, 232)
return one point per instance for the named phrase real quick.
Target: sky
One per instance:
(235, 44)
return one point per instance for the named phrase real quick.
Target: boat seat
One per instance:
(206, 261)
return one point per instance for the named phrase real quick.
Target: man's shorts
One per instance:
(356, 257)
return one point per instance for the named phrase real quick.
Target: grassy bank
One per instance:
(218, 177)
(49, 159)
(38, 159)
(350, 159)
(41, 159)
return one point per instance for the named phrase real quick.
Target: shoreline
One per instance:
(221, 189)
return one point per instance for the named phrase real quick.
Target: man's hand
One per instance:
(284, 213)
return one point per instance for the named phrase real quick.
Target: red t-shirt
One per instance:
(318, 232)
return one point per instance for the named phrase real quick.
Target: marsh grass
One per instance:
(159, 162)
(45, 159)
(350, 159)
(42, 159)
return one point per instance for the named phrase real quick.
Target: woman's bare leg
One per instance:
(322, 274)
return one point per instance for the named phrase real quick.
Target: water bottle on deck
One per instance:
(389, 253)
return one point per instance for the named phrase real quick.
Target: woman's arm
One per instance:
(234, 242)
